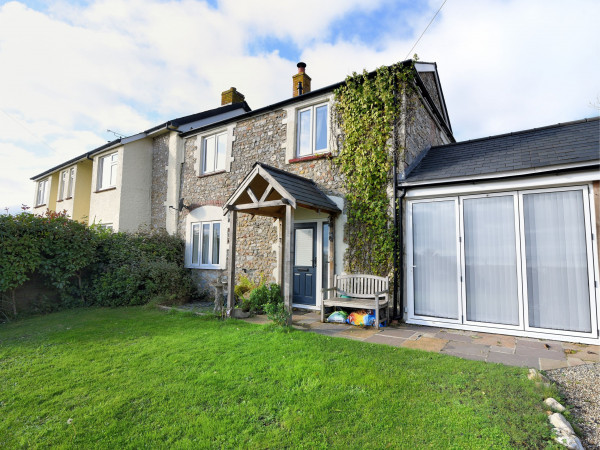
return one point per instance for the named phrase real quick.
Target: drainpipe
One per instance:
(398, 261)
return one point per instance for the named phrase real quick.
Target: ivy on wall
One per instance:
(368, 106)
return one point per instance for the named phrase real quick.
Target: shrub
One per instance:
(277, 313)
(262, 296)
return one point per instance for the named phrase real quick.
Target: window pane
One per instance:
(557, 273)
(216, 245)
(321, 128)
(304, 120)
(221, 149)
(113, 174)
(71, 183)
(325, 257)
(491, 260)
(195, 242)
(205, 243)
(105, 175)
(304, 247)
(434, 259)
(208, 158)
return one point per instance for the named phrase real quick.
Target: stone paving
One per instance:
(499, 348)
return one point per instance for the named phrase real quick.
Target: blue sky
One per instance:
(72, 70)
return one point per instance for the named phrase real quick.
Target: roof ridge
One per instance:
(514, 133)
(267, 166)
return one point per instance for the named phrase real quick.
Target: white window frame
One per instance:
(42, 187)
(203, 144)
(112, 165)
(200, 139)
(410, 264)
(312, 133)
(523, 329)
(63, 181)
(200, 226)
(71, 184)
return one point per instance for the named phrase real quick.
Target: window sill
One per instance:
(106, 189)
(204, 267)
(209, 174)
(68, 198)
(40, 205)
(310, 157)
(58, 201)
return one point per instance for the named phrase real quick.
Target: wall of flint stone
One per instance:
(262, 138)
(158, 196)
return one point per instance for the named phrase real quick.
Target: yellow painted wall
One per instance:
(82, 191)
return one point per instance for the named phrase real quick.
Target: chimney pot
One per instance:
(300, 81)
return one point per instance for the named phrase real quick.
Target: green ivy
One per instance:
(367, 108)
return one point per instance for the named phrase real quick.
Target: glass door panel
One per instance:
(490, 265)
(558, 292)
(435, 259)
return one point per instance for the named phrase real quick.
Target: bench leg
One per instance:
(377, 316)
(322, 313)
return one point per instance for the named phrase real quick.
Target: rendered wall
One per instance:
(136, 180)
(105, 204)
(82, 190)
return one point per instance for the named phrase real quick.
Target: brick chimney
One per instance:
(300, 81)
(231, 96)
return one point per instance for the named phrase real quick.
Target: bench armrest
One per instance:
(381, 293)
(328, 289)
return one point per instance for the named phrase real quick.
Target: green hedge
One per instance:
(90, 265)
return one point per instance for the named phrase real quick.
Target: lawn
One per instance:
(135, 377)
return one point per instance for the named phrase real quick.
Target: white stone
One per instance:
(570, 441)
(562, 424)
(552, 403)
(534, 375)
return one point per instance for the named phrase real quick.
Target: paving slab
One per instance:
(358, 333)
(387, 340)
(498, 349)
(540, 352)
(514, 360)
(537, 343)
(426, 343)
(498, 340)
(575, 361)
(326, 332)
(549, 364)
(587, 355)
(452, 336)
(398, 332)
(464, 348)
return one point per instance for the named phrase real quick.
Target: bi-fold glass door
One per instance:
(514, 260)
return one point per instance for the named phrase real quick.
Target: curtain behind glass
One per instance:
(557, 273)
(491, 260)
(434, 258)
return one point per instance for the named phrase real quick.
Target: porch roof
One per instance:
(266, 191)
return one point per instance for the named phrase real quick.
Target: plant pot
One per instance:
(240, 314)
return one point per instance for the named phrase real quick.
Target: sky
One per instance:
(70, 71)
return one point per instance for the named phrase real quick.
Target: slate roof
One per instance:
(305, 191)
(555, 145)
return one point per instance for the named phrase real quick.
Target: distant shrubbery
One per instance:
(90, 265)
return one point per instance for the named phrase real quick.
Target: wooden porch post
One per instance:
(231, 267)
(280, 250)
(287, 261)
(331, 271)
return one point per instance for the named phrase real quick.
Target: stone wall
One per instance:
(261, 138)
(420, 132)
(429, 82)
(160, 159)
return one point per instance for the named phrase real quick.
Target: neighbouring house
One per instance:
(498, 234)
(122, 185)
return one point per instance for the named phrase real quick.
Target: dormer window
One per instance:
(312, 126)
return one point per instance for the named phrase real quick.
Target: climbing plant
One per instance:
(368, 106)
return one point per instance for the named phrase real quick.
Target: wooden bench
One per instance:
(360, 292)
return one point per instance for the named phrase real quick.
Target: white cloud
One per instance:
(72, 72)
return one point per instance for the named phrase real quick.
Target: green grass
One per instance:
(133, 377)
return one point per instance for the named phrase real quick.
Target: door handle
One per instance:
(301, 270)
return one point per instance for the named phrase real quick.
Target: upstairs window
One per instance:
(206, 244)
(42, 188)
(71, 182)
(312, 130)
(62, 184)
(107, 171)
(214, 148)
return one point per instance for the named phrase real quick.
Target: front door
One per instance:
(305, 263)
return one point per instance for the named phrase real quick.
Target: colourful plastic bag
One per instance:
(338, 317)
